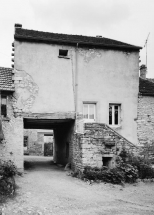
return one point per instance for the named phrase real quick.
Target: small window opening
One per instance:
(4, 105)
(107, 161)
(63, 52)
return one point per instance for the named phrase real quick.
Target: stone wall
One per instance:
(11, 147)
(145, 124)
(97, 144)
(35, 141)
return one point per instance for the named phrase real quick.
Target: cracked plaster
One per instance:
(26, 91)
(90, 54)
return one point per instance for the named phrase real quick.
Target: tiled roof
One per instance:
(6, 82)
(31, 35)
(146, 86)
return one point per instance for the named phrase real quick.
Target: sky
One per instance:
(128, 21)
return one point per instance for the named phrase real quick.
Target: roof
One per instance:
(6, 82)
(46, 37)
(146, 87)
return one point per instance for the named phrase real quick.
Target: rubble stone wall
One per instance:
(97, 142)
(35, 141)
(145, 124)
(11, 147)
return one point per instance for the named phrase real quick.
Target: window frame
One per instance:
(113, 114)
(1, 96)
(90, 120)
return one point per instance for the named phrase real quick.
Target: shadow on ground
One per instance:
(37, 162)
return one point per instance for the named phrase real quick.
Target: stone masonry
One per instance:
(11, 147)
(98, 141)
(145, 124)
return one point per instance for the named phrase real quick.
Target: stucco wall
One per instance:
(100, 76)
(51, 75)
(110, 76)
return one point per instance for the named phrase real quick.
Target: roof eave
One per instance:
(18, 37)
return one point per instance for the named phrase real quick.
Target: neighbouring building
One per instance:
(145, 120)
(38, 142)
(83, 88)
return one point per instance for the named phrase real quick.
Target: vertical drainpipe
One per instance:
(76, 86)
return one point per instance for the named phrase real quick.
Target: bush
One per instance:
(130, 172)
(119, 175)
(144, 166)
(7, 172)
(129, 168)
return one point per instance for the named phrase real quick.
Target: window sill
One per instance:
(65, 57)
(116, 126)
(6, 119)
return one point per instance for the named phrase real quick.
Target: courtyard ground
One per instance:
(45, 188)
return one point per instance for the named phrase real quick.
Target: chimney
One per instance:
(17, 25)
(143, 71)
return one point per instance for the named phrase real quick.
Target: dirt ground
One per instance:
(45, 188)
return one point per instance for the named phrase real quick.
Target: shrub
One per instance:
(130, 172)
(122, 173)
(104, 174)
(144, 166)
(7, 172)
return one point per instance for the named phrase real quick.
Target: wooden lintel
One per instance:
(59, 115)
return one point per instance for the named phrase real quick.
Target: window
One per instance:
(89, 112)
(3, 105)
(114, 114)
(63, 53)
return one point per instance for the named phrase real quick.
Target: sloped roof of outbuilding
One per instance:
(146, 87)
(46, 37)
(6, 83)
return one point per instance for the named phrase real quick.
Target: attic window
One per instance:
(63, 53)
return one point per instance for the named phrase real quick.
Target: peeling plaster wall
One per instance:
(51, 79)
(102, 76)
(26, 91)
(45, 83)
(11, 148)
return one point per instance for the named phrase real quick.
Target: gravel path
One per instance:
(47, 189)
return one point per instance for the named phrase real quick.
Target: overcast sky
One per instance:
(128, 21)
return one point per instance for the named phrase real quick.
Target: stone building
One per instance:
(38, 142)
(145, 120)
(64, 81)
